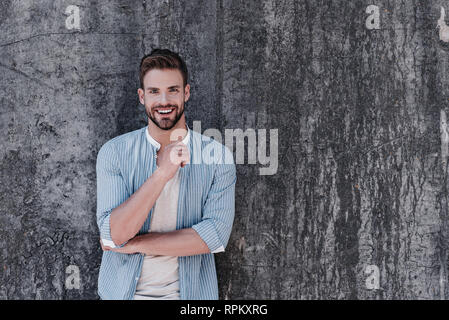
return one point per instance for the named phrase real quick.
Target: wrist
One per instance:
(161, 175)
(141, 243)
(135, 244)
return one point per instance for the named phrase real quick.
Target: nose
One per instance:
(163, 99)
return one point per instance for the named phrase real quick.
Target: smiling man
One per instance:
(161, 211)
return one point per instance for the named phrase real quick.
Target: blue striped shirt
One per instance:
(206, 204)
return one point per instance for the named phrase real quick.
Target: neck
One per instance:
(163, 136)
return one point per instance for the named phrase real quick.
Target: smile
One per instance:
(165, 111)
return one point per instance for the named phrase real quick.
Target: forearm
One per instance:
(183, 242)
(127, 219)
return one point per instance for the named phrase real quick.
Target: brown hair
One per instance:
(162, 59)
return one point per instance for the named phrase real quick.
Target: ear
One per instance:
(186, 92)
(141, 94)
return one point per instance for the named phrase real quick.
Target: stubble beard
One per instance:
(166, 124)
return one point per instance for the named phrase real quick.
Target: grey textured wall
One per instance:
(363, 139)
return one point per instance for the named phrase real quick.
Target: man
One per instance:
(162, 210)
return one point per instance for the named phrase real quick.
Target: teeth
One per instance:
(164, 111)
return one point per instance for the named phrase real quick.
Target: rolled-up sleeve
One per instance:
(111, 191)
(219, 209)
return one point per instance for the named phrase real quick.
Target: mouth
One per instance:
(165, 111)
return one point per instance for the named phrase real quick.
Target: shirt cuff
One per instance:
(108, 243)
(105, 233)
(207, 232)
(221, 249)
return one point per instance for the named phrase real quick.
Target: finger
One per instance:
(175, 139)
(179, 154)
(186, 156)
(177, 142)
(174, 156)
(185, 160)
(184, 163)
(182, 148)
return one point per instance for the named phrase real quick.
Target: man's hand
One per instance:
(129, 248)
(173, 156)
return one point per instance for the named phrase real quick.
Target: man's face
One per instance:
(164, 96)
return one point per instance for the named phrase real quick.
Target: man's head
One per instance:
(163, 87)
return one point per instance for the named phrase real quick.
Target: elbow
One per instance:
(117, 241)
(118, 238)
(109, 231)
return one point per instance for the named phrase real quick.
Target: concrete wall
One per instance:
(358, 207)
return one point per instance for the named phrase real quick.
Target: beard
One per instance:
(166, 123)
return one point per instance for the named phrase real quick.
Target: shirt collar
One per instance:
(158, 145)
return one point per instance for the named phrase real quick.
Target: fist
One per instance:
(173, 156)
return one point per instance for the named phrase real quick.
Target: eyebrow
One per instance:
(171, 87)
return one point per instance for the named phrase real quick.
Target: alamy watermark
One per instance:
(372, 282)
(72, 280)
(256, 150)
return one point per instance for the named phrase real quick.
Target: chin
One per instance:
(165, 126)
